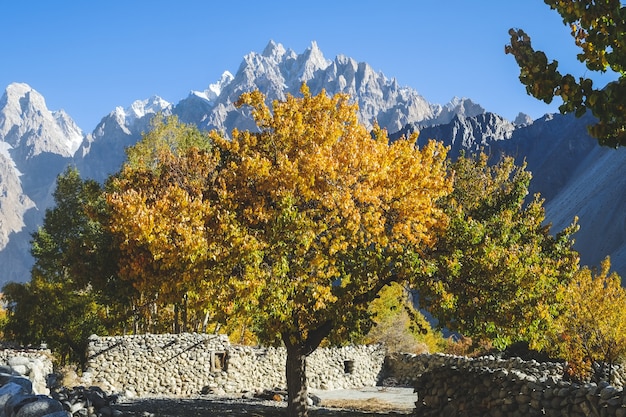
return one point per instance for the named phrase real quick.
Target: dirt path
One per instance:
(369, 402)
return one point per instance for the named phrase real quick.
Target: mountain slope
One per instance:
(575, 176)
(35, 146)
(103, 151)
(569, 169)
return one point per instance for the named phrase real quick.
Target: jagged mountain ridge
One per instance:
(277, 72)
(37, 144)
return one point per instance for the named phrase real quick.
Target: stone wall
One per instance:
(34, 364)
(445, 385)
(481, 391)
(406, 369)
(448, 385)
(173, 364)
(189, 363)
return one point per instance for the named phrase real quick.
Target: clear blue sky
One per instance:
(87, 57)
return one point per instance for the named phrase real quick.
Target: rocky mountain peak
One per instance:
(140, 108)
(36, 144)
(31, 129)
(274, 50)
(523, 119)
(309, 62)
(462, 107)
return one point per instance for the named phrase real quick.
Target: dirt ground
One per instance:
(367, 402)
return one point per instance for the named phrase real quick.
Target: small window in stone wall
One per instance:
(348, 367)
(219, 362)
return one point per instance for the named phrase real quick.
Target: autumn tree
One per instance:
(158, 217)
(298, 225)
(592, 328)
(496, 268)
(73, 291)
(597, 28)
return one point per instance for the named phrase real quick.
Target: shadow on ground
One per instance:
(213, 407)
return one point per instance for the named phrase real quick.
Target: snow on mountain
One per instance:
(141, 108)
(215, 89)
(570, 171)
(103, 151)
(13, 202)
(522, 119)
(462, 107)
(31, 129)
(279, 71)
(35, 145)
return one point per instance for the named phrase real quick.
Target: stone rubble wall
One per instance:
(150, 364)
(445, 385)
(481, 391)
(35, 364)
(406, 368)
(448, 385)
(252, 368)
(186, 364)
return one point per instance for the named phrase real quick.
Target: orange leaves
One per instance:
(270, 223)
(592, 327)
(315, 188)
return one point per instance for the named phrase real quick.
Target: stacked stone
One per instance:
(346, 367)
(481, 391)
(149, 365)
(407, 368)
(252, 369)
(185, 364)
(35, 364)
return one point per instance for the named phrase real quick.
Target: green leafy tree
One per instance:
(592, 328)
(41, 311)
(73, 291)
(598, 28)
(298, 225)
(496, 269)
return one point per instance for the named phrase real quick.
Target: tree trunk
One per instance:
(184, 313)
(297, 405)
(205, 323)
(176, 319)
(297, 352)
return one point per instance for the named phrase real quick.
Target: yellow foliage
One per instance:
(592, 328)
(297, 226)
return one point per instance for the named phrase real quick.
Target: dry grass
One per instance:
(369, 404)
(69, 376)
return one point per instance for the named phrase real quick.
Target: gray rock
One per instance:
(16, 402)
(25, 383)
(8, 391)
(40, 408)
(19, 360)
